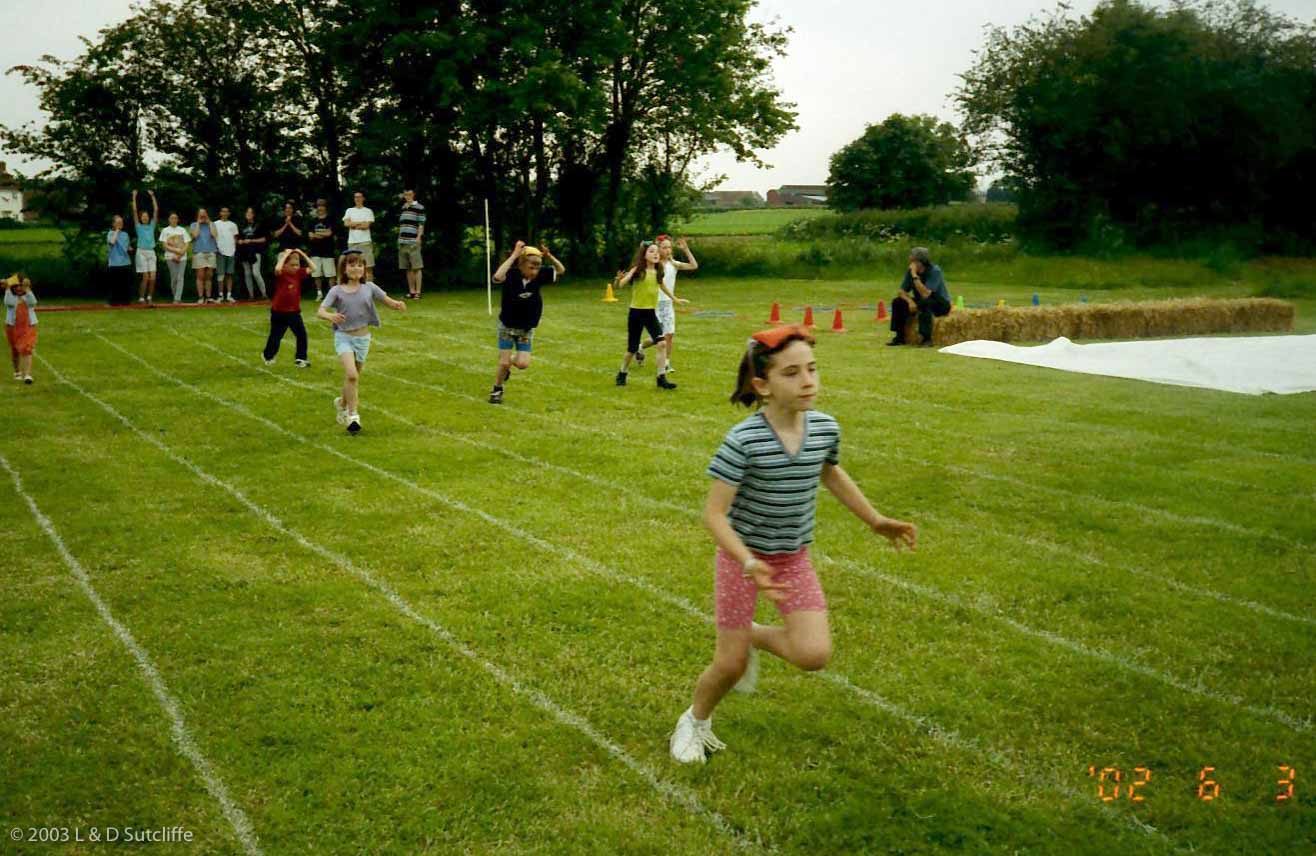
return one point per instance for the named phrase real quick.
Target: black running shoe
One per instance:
(664, 383)
(496, 397)
(621, 378)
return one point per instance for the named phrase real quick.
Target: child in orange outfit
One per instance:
(21, 325)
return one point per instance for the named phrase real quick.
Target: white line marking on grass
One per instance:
(671, 791)
(182, 737)
(1297, 724)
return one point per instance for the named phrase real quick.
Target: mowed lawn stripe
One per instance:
(178, 728)
(671, 791)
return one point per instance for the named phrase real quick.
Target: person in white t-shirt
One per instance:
(666, 308)
(357, 219)
(226, 238)
(175, 240)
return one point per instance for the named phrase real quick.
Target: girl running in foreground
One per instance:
(760, 510)
(350, 305)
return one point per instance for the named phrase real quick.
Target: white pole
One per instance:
(488, 260)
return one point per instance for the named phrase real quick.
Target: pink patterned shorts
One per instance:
(737, 595)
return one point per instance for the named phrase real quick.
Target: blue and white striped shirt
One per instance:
(777, 496)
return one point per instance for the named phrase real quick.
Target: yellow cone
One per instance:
(1000, 302)
(609, 297)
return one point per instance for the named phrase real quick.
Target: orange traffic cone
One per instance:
(881, 311)
(808, 318)
(838, 326)
(608, 296)
(775, 317)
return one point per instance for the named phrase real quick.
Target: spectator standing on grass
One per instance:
(144, 224)
(226, 235)
(289, 231)
(324, 257)
(175, 240)
(358, 219)
(119, 273)
(204, 249)
(411, 229)
(923, 294)
(251, 252)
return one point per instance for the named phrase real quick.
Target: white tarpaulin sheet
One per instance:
(1252, 365)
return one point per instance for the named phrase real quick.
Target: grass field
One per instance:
(749, 221)
(470, 629)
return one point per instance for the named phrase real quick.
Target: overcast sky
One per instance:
(849, 63)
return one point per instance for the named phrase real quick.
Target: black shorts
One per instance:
(641, 319)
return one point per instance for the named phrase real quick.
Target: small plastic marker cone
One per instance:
(1082, 298)
(808, 318)
(881, 310)
(608, 296)
(959, 301)
(775, 316)
(1000, 302)
(1037, 301)
(838, 326)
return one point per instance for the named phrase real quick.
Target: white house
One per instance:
(11, 196)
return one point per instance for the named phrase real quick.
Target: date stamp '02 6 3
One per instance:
(1112, 786)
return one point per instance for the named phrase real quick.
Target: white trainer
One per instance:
(692, 740)
(342, 413)
(353, 423)
(749, 681)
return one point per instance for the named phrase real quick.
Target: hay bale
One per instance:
(1126, 320)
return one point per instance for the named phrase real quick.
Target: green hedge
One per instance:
(983, 222)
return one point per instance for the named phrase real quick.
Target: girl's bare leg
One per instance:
(729, 661)
(805, 641)
(351, 378)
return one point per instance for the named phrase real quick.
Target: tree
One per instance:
(905, 162)
(1156, 124)
(1004, 190)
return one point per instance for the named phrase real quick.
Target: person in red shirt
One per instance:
(286, 307)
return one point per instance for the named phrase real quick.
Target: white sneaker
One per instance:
(141, 300)
(692, 740)
(750, 680)
(302, 364)
(342, 414)
(671, 369)
(231, 300)
(200, 300)
(18, 375)
(27, 379)
(268, 362)
(353, 424)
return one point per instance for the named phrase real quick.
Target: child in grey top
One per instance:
(350, 307)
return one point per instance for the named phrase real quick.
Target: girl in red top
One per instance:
(286, 307)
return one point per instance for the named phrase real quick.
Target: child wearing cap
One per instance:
(350, 307)
(21, 325)
(761, 510)
(521, 274)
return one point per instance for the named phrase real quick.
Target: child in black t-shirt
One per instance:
(521, 308)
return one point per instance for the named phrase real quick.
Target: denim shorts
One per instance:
(357, 345)
(510, 337)
(225, 265)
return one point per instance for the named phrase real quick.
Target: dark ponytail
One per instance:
(756, 361)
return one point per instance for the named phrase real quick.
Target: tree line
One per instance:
(581, 121)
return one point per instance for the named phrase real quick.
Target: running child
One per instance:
(21, 325)
(521, 308)
(760, 511)
(646, 272)
(144, 223)
(350, 305)
(286, 307)
(666, 308)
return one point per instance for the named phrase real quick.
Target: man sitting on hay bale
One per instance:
(922, 293)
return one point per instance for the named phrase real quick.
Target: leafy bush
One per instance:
(982, 222)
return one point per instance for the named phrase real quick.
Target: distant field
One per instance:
(762, 221)
(32, 235)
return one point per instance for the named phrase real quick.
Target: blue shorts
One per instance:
(509, 337)
(357, 345)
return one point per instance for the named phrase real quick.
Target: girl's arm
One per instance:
(155, 208)
(898, 532)
(324, 313)
(552, 259)
(30, 298)
(135, 217)
(382, 296)
(716, 508)
(670, 296)
(689, 263)
(501, 274)
(624, 279)
(303, 255)
(294, 227)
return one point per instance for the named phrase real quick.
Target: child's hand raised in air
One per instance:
(762, 575)
(518, 249)
(901, 534)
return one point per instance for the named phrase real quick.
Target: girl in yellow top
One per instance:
(646, 274)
